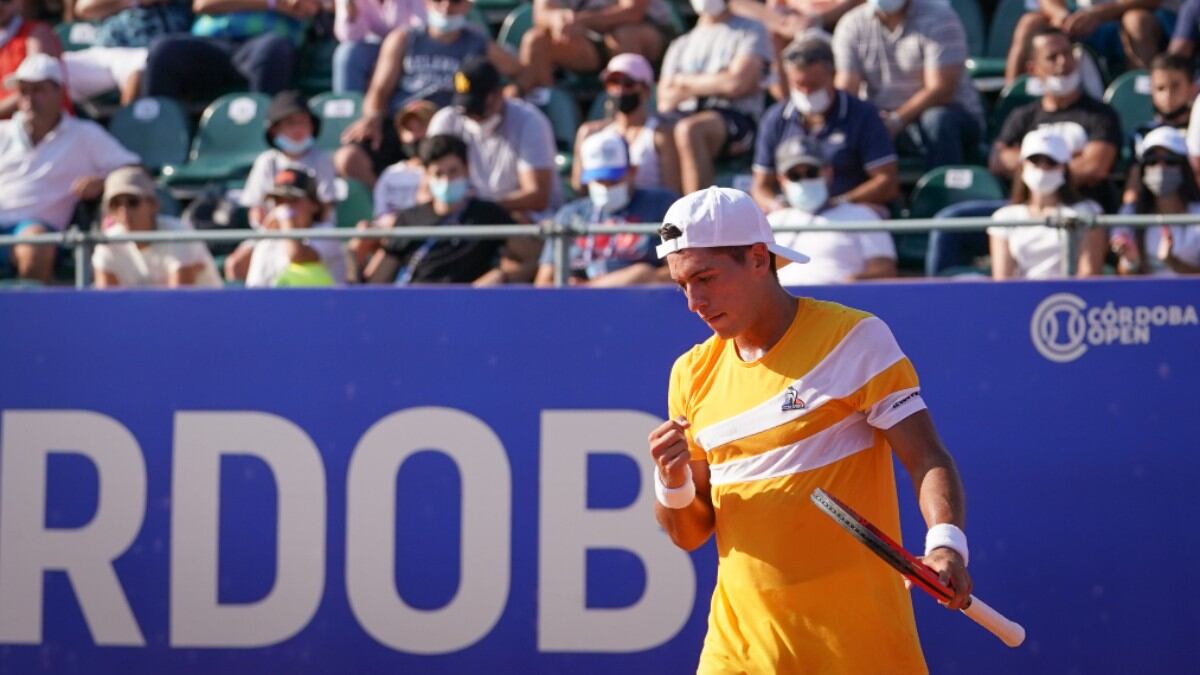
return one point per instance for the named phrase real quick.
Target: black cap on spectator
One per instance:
(795, 151)
(808, 49)
(295, 182)
(475, 80)
(285, 104)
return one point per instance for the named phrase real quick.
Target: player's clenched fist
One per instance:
(669, 448)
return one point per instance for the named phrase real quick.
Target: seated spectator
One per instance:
(1126, 34)
(360, 26)
(291, 130)
(835, 257)
(442, 260)
(629, 85)
(1042, 188)
(911, 56)
(791, 19)
(711, 90)
(510, 144)
(293, 203)
(1171, 94)
(131, 205)
(49, 161)
(118, 56)
(254, 47)
(849, 130)
(579, 35)
(415, 63)
(614, 198)
(1091, 129)
(1166, 187)
(20, 37)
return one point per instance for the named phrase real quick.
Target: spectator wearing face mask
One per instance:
(614, 198)
(1171, 93)
(1043, 189)
(1091, 129)
(452, 202)
(1166, 187)
(629, 84)
(848, 129)
(835, 257)
(292, 203)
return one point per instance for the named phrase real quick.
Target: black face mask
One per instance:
(410, 149)
(627, 103)
(1181, 111)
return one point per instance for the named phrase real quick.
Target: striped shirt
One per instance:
(893, 64)
(794, 593)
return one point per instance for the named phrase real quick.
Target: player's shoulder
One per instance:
(699, 358)
(833, 313)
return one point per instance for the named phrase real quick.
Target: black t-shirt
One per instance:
(443, 261)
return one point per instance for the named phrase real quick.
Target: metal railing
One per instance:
(83, 242)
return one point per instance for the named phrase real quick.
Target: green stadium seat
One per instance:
(156, 129)
(336, 112)
(563, 113)
(76, 35)
(948, 185)
(230, 137)
(494, 11)
(972, 19)
(477, 18)
(1000, 35)
(1011, 97)
(515, 24)
(355, 202)
(1129, 95)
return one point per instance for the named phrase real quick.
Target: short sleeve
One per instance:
(1106, 126)
(876, 245)
(106, 153)
(535, 147)
(1016, 125)
(892, 392)
(845, 57)
(945, 43)
(255, 189)
(1002, 214)
(670, 64)
(442, 122)
(757, 43)
(876, 146)
(1193, 130)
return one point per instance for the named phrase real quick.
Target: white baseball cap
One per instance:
(718, 216)
(1167, 138)
(1045, 142)
(36, 68)
(604, 156)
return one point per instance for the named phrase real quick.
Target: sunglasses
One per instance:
(1164, 160)
(799, 173)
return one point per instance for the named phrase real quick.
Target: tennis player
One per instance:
(790, 394)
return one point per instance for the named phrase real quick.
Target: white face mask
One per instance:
(1042, 181)
(806, 195)
(608, 198)
(709, 7)
(445, 23)
(814, 103)
(887, 6)
(1062, 85)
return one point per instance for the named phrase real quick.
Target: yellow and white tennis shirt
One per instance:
(795, 593)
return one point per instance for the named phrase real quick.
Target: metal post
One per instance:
(82, 243)
(562, 253)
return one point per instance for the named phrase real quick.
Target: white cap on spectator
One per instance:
(718, 216)
(1045, 142)
(36, 68)
(604, 156)
(634, 65)
(1167, 138)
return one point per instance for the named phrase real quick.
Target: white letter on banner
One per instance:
(197, 618)
(28, 548)
(568, 529)
(485, 557)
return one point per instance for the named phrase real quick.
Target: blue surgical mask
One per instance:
(293, 147)
(448, 191)
(806, 195)
(445, 23)
(887, 6)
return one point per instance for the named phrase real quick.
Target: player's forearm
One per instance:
(690, 526)
(940, 492)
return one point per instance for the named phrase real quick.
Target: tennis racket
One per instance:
(921, 576)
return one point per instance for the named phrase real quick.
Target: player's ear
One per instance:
(760, 259)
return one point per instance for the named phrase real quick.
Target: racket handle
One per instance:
(1010, 632)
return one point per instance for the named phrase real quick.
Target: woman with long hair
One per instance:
(1165, 187)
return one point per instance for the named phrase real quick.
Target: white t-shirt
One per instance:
(1185, 243)
(270, 162)
(35, 181)
(836, 257)
(153, 265)
(1193, 130)
(269, 260)
(397, 188)
(1037, 249)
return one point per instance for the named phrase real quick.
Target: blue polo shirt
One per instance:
(854, 139)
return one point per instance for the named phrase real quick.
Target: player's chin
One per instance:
(720, 324)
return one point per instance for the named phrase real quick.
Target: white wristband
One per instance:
(675, 498)
(948, 536)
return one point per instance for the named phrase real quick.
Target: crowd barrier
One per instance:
(456, 481)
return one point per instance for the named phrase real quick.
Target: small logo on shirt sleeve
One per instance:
(792, 400)
(906, 399)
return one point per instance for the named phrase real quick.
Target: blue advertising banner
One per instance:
(452, 481)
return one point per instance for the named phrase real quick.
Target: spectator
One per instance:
(360, 27)
(442, 260)
(118, 56)
(510, 145)
(415, 63)
(294, 204)
(788, 20)
(910, 54)
(131, 205)
(1171, 94)
(835, 257)
(49, 161)
(1126, 34)
(20, 37)
(850, 131)
(711, 90)
(291, 130)
(1043, 189)
(579, 35)
(629, 86)
(614, 198)
(1166, 187)
(1090, 128)
(248, 44)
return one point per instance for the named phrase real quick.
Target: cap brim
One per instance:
(609, 173)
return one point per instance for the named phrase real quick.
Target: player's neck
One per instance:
(775, 316)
